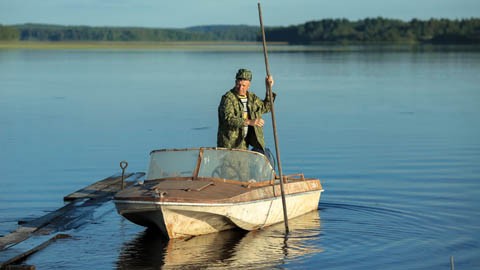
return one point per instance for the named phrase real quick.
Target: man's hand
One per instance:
(255, 122)
(269, 81)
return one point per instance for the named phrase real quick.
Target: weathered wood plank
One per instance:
(88, 191)
(110, 184)
(25, 231)
(26, 248)
(18, 235)
(39, 231)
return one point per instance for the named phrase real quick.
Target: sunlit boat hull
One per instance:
(177, 220)
(189, 192)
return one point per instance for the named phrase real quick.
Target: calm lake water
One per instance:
(394, 135)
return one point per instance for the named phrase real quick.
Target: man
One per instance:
(240, 122)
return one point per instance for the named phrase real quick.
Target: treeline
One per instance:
(378, 30)
(336, 31)
(8, 33)
(41, 32)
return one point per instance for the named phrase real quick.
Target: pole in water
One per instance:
(452, 263)
(123, 166)
(274, 123)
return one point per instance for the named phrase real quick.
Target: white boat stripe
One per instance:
(211, 204)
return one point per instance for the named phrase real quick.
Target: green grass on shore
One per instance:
(88, 45)
(225, 46)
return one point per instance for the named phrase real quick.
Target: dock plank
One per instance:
(27, 248)
(89, 191)
(108, 185)
(27, 229)
(36, 234)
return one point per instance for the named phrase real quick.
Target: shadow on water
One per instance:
(265, 248)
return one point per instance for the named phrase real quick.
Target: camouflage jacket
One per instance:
(231, 123)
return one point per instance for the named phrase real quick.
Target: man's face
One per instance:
(242, 86)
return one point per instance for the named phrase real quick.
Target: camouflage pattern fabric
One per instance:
(230, 121)
(244, 74)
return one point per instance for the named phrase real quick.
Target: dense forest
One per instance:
(378, 30)
(41, 32)
(331, 31)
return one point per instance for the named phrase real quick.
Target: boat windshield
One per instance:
(221, 163)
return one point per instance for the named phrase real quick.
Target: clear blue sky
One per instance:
(184, 13)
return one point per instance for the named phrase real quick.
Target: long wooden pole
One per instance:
(274, 123)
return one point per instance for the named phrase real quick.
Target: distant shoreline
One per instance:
(170, 45)
(321, 32)
(224, 46)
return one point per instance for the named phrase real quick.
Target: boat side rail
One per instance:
(179, 178)
(150, 184)
(295, 176)
(253, 183)
(247, 184)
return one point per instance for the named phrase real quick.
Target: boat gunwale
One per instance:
(156, 202)
(305, 186)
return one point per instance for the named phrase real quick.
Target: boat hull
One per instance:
(197, 191)
(185, 219)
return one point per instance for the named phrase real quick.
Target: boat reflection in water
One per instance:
(232, 248)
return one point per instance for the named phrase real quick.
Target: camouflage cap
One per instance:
(244, 74)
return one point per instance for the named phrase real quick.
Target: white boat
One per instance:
(195, 191)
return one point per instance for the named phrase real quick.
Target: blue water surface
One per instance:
(394, 136)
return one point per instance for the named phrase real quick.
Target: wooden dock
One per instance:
(32, 236)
